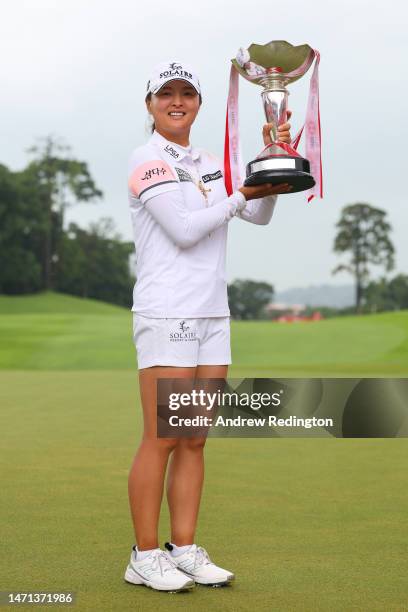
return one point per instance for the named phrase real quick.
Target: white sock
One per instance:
(179, 550)
(142, 554)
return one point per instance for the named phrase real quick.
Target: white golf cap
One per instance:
(171, 71)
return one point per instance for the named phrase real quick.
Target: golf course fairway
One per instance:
(305, 524)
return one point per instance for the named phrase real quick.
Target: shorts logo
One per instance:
(212, 177)
(171, 151)
(183, 335)
(184, 176)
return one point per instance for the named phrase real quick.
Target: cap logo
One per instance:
(171, 71)
(176, 72)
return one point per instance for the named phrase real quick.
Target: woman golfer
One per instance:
(180, 214)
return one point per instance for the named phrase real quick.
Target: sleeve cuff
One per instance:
(238, 201)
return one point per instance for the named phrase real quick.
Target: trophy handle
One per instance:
(275, 103)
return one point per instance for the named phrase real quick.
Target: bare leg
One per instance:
(146, 476)
(186, 475)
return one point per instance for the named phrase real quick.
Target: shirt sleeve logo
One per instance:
(212, 177)
(153, 171)
(150, 174)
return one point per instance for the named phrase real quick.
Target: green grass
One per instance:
(57, 332)
(324, 518)
(356, 345)
(54, 303)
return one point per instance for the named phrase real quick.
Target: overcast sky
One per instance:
(78, 69)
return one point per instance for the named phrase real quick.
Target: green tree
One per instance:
(95, 264)
(20, 222)
(363, 231)
(399, 290)
(248, 298)
(62, 182)
(385, 295)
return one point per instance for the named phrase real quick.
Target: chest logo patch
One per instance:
(212, 177)
(183, 175)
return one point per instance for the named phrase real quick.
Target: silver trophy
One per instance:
(273, 66)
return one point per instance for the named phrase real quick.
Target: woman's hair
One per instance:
(152, 127)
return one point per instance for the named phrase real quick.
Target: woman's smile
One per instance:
(177, 114)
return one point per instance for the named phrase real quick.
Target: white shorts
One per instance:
(181, 342)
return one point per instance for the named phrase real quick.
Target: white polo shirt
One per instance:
(180, 233)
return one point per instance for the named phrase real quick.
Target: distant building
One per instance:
(289, 308)
(291, 313)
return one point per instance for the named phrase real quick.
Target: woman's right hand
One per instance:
(262, 191)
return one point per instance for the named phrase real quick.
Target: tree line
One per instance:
(363, 234)
(39, 253)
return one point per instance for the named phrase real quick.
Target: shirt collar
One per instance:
(173, 151)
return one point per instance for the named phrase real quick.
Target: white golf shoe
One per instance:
(196, 564)
(157, 571)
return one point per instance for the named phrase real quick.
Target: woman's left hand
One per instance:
(283, 131)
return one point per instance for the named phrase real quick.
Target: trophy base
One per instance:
(280, 169)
